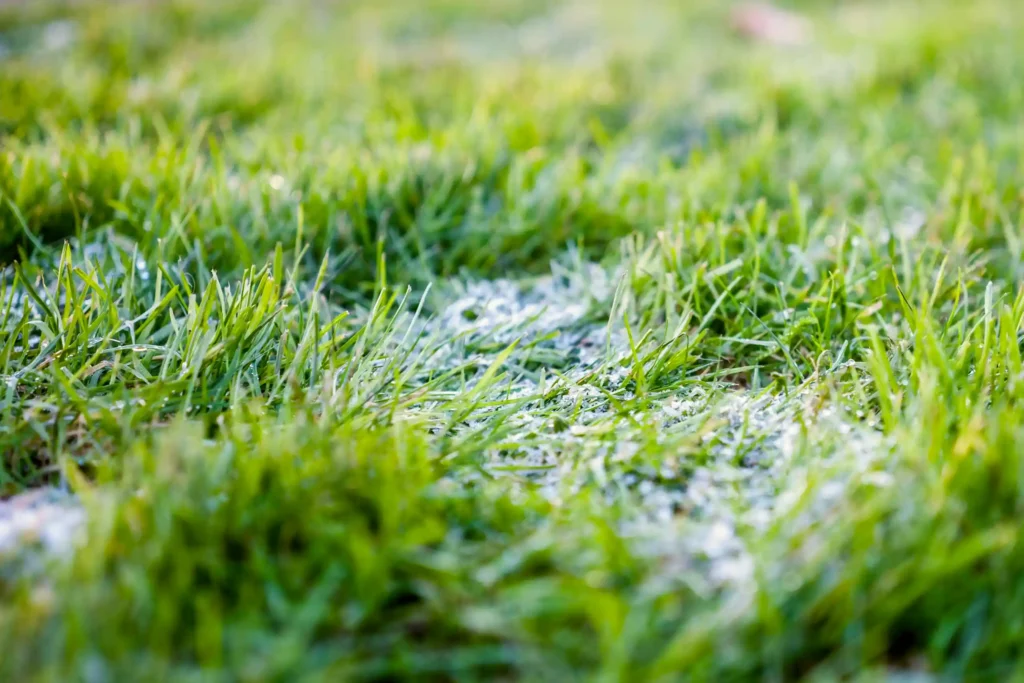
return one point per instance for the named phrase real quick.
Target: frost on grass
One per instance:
(693, 473)
(44, 519)
(508, 310)
(553, 321)
(756, 476)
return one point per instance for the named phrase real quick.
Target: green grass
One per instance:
(512, 341)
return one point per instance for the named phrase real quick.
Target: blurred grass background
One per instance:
(482, 137)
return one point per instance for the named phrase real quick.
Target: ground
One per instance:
(512, 340)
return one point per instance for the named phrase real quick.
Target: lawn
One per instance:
(511, 340)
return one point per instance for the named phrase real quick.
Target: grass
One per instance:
(512, 341)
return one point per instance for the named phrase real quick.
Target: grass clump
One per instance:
(517, 342)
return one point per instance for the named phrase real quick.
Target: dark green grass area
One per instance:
(511, 341)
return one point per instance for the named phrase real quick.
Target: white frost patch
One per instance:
(693, 517)
(44, 517)
(509, 310)
(58, 35)
(693, 476)
(556, 314)
(726, 502)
